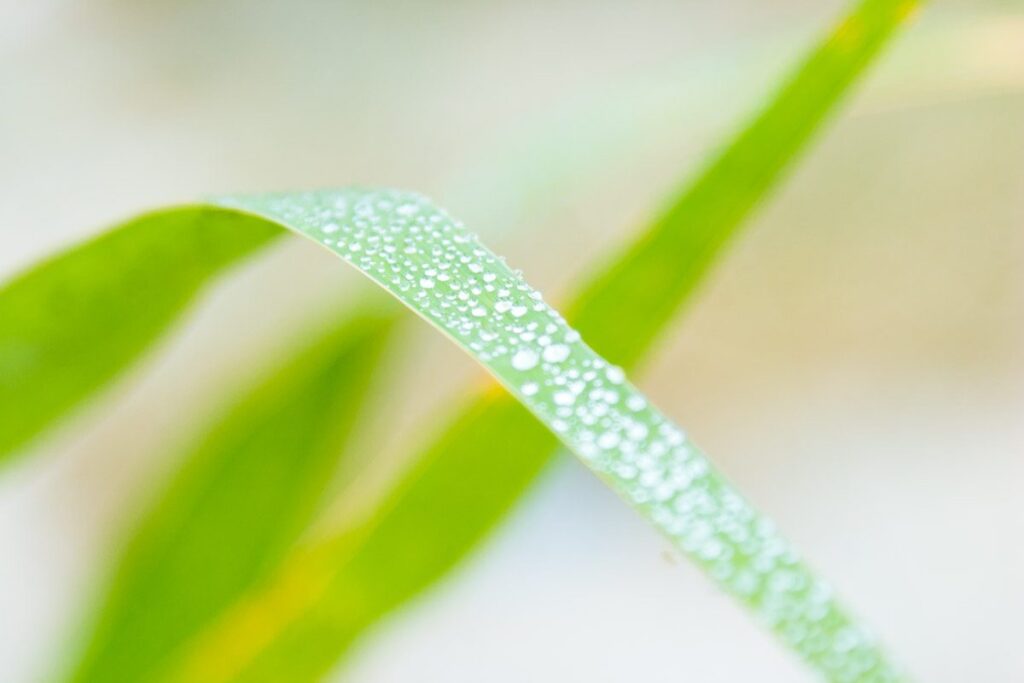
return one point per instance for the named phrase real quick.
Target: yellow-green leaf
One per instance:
(244, 494)
(71, 324)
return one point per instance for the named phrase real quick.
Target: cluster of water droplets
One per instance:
(445, 274)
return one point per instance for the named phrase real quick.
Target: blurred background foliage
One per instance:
(882, 288)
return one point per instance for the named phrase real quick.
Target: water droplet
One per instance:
(637, 432)
(564, 398)
(635, 403)
(556, 353)
(524, 359)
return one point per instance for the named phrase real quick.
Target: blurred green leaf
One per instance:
(491, 453)
(327, 592)
(73, 323)
(242, 497)
(673, 255)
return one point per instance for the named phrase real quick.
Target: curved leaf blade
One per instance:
(241, 499)
(73, 323)
(442, 272)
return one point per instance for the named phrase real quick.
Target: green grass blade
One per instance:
(241, 499)
(442, 272)
(73, 323)
(672, 256)
(493, 451)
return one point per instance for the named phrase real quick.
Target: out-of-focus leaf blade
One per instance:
(242, 497)
(644, 287)
(327, 593)
(476, 468)
(71, 324)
